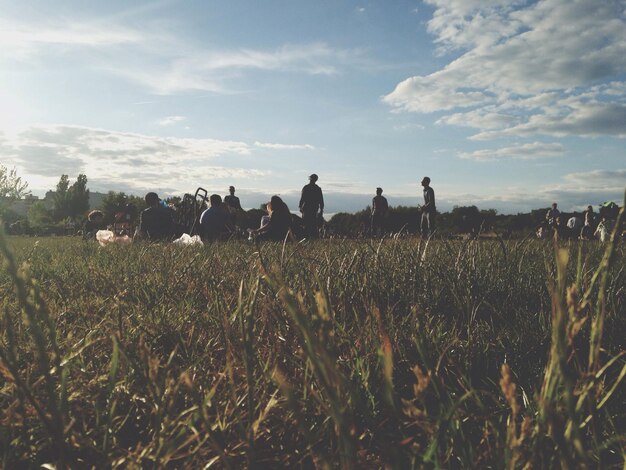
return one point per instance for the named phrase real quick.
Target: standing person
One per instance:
(379, 211)
(311, 201)
(589, 226)
(428, 209)
(155, 222)
(233, 206)
(232, 201)
(552, 215)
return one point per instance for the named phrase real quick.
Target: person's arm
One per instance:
(373, 205)
(302, 198)
(321, 201)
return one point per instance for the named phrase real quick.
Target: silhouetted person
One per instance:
(94, 222)
(311, 204)
(589, 226)
(215, 221)
(279, 223)
(427, 224)
(155, 222)
(231, 200)
(379, 211)
(552, 215)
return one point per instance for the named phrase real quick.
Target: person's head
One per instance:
(554, 204)
(231, 189)
(379, 191)
(95, 216)
(152, 199)
(215, 200)
(590, 208)
(313, 178)
(425, 181)
(276, 203)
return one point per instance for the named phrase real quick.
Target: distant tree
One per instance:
(39, 215)
(60, 199)
(466, 218)
(78, 197)
(12, 188)
(115, 202)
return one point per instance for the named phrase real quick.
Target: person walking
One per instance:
(427, 224)
(379, 211)
(311, 203)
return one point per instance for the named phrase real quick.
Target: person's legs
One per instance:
(310, 224)
(425, 224)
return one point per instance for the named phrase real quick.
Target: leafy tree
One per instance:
(115, 202)
(78, 196)
(39, 215)
(60, 200)
(12, 188)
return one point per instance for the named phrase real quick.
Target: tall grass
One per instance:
(351, 354)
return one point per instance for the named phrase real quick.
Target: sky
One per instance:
(504, 104)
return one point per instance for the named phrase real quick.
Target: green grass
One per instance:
(349, 354)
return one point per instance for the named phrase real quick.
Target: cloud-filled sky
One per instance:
(505, 104)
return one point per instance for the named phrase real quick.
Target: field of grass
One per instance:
(351, 354)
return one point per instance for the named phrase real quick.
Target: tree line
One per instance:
(70, 204)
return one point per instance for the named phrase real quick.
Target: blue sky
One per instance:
(504, 104)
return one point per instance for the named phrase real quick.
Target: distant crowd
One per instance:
(216, 218)
(587, 226)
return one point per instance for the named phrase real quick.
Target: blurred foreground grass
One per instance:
(349, 354)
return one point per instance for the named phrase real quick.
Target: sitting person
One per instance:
(604, 229)
(94, 222)
(155, 222)
(279, 223)
(215, 221)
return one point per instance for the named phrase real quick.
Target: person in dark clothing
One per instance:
(279, 224)
(552, 215)
(94, 222)
(589, 226)
(232, 201)
(215, 221)
(311, 203)
(379, 211)
(156, 221)
(428, 209)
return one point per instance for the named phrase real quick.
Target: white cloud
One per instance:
(523, 61)
(21, 41)
(608, 179)
(170, 120)
(284, 146)
(157, 59)
(529, 151)
(119, 159)
(483, 118)
(580, 119)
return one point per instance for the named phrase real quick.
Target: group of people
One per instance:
(587, 226)
(380, 207)
(157, 221)
(219, 219)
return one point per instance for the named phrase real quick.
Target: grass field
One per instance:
(352, 354)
